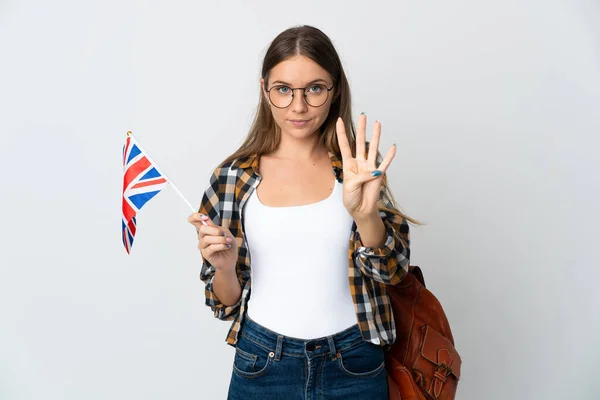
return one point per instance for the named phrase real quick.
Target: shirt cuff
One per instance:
(383, 251)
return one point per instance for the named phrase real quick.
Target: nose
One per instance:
(298, 101)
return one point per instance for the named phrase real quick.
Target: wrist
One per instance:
(372, 230)
(227, 271)
(366, 218)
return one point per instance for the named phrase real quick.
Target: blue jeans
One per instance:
(268, 365)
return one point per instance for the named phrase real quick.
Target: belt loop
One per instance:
(332, 349)
(279, 347)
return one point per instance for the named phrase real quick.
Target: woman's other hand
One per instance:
(216, 244)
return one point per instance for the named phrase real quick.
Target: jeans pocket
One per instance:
(251, 359)
(363, 360)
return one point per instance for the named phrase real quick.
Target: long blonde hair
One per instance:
(264, 134)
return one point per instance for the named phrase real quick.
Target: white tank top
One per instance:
(299, 266)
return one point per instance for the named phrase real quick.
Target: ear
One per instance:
(263, 89)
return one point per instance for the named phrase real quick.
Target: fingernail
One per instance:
(394, 144)
(223, 234)
(204, 217)
(229, 240)
(362, 113)
(376, 173)
(228, 246)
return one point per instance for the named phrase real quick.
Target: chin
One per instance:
(298, 133)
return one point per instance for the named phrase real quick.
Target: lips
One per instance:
(299, 122)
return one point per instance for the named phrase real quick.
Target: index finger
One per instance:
(340, 131)
(210, 230)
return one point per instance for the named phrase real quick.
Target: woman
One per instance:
(305, 198)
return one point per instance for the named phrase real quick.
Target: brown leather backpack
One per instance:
(422, 364)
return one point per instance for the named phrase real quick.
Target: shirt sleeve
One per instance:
(210, 205)
(389, 263)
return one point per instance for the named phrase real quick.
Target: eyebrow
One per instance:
(313, 81)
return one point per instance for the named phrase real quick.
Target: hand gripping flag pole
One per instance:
(142, 180)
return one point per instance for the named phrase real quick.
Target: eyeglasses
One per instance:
(316, 95)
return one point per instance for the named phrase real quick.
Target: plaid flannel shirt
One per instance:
(369, 269)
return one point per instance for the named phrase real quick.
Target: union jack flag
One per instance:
(141, 182)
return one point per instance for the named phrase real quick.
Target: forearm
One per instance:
(371, 230)
(226, 286)
(388, 262)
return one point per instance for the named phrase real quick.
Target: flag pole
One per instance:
(129, 133)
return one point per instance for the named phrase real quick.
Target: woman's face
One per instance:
(298, 72)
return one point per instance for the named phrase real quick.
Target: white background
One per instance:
(495, 109)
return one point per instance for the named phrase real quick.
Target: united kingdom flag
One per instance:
(141, 182)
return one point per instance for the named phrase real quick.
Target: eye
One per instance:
(282, 89)
(316, 88)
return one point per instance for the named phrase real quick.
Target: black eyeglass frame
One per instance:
(304, 90)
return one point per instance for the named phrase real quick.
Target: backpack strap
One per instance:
(416, 271)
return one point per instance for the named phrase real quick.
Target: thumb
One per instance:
(368, 176)
(198, 219)
(205, 220)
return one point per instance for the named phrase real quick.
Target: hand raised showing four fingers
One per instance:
(361, 186)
